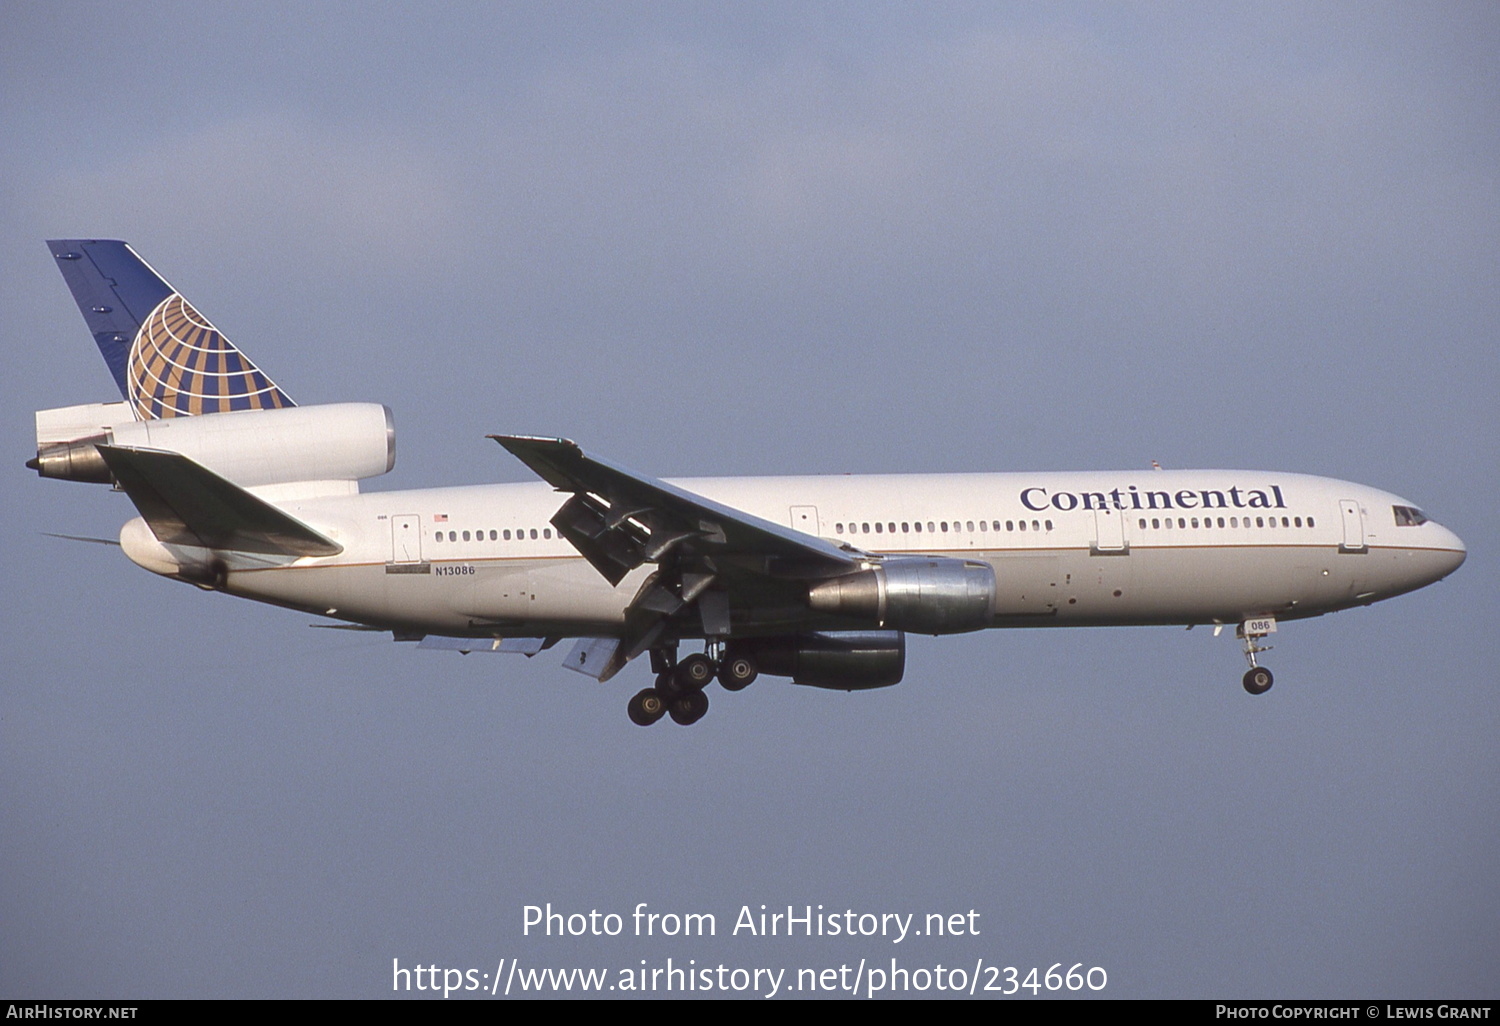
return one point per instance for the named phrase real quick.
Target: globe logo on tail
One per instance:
(182, 366)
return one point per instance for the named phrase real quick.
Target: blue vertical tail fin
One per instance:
(167, 359)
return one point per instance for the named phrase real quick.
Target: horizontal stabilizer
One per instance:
(78, 537)
(185, 503)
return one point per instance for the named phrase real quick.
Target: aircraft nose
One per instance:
(1459, 552)
(1450, 552)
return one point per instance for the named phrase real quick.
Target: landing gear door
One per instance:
(805, 518)
(406, 538)
(1354, 526)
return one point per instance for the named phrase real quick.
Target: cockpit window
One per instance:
(1409, 516)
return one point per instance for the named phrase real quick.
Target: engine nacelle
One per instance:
(339, 442)
(838, 660)
(925, 594)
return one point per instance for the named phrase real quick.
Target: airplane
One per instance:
(818, 579)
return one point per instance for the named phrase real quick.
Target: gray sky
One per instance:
(781, 238)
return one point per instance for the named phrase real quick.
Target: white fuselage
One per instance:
(1068, 549)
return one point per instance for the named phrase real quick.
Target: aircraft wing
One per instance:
(710, 558)
(613, 499)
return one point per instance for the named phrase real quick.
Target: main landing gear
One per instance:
(1257, 679)
(679, 686)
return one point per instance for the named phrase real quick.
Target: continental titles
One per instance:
(1131, 497)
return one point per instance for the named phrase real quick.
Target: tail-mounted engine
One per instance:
(339, 442)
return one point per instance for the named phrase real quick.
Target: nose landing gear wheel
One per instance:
(1258, 680)
(647, 707)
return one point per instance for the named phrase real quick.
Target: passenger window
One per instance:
(905, 527)
(453, 536)
(1143, 523)
(1155, 523)
(1023, 525)
(533, 534)
(1310, 522)
(877, 528)
(838, 528)
(437, 536)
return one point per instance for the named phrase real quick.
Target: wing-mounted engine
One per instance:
(923, 594)
(343, 442)
(836, 660)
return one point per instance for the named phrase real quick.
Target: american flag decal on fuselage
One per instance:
(182, 366)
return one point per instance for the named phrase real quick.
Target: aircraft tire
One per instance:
(1258, 680)
(737, 673)
(694, 673)
(647, 707)
(688, 708)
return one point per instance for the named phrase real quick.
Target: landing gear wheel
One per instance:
(666, 683)
(737, 673)
(1258, 680)
(689, 708)
(694, 673)
(647, 707)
